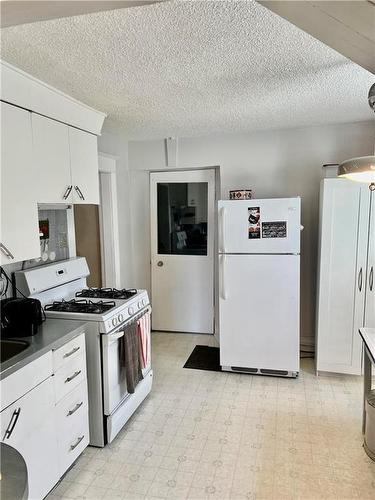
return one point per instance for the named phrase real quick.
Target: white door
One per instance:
(260, 226)
(52, 160)
(342, 275)
(84, 166)
(19, 210)
(182, 250)
(370, 282)
(29, 426)
(259, 311)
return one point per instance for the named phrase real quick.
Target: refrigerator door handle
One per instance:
(224, 293)
(222, 221)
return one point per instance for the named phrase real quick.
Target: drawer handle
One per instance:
(67, 354)
(12, 423)
(77, 407)
(75, 374)
(73, 446)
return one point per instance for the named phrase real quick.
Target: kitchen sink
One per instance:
(10, 348)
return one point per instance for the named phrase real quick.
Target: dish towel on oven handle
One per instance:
(144, 330)
(129, 357)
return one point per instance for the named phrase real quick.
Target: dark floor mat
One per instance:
(204, 357)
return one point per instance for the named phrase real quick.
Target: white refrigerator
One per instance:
(259, 285)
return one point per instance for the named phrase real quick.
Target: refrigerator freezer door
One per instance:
(260, 226)
(259, 311)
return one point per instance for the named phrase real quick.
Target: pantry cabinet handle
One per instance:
(66, 355)
(12, 423)
(75, 374)
(77, 407)
(67, 192)
(73, 446)
(5, 251)
(360, 280)
(79, 193)
(371, 278)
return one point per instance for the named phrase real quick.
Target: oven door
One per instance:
(114, 382)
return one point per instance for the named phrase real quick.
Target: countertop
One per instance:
(13, 484)
(52, 334)
(368, 337)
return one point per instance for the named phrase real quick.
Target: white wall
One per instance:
(117, 146)
(276, 163)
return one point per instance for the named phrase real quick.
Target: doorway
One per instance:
(182, 250)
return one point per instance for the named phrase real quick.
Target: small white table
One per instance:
(368, 337)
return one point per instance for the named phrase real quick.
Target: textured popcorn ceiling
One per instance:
(192, 68)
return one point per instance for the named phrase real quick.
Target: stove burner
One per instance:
(107, 293)
(80, 306)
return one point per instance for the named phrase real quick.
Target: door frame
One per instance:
(108, 221)
(217, 196)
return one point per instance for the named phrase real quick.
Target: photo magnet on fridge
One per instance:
(253, 214)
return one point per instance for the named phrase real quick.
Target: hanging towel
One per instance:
(129, 357)
(144, 331)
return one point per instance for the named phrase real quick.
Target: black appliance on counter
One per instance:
(20, 317)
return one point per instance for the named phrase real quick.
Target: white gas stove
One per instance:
(109, 313)
(62, 289)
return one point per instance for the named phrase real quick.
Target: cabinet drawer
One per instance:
(73, 445)
(69, 376)
(72, 410)
(23, 380)
(68, 352)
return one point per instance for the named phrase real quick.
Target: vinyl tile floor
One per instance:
(210, 435)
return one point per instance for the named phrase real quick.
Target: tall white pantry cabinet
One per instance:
(346, 295)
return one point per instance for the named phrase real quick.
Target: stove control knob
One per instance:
(114, 321)
(139, 305)
(130, 310)
(121, 318)
(144, 302)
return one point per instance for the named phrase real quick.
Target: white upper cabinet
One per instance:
(84, 166)
(52, 160)
(66, 162)
(19, 217)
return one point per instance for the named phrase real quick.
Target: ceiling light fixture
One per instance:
(361, 169)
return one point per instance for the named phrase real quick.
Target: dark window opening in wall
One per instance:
(182, 218)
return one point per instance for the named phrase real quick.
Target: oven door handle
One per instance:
(109, 339)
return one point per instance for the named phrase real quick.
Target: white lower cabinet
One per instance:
(71, 410)
(28, 426)
(47, 420)
(72, 419)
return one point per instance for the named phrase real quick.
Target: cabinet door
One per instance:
(52, 160)
(19, 211)
(29, 426)
(84, 166)
(342, 275)
(370, 282)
